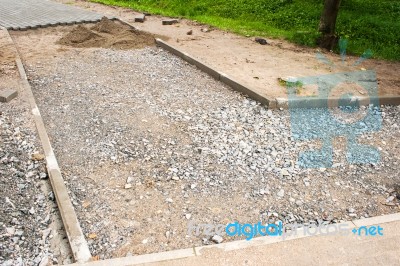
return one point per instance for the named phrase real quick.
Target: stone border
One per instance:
(234, 245)
(272, 103)
(77, 241)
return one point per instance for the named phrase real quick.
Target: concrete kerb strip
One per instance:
(272, 103)
(315, 102)
(79, 246)
(147, 258)
(234, 245)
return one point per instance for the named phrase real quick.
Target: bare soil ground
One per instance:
(107, 34)
(257, 66)
(148, 143)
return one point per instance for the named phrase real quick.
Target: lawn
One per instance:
(367, 24)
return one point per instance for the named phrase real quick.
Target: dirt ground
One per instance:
(107, 34)
(257, 66)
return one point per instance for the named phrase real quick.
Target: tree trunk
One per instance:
(327, 24)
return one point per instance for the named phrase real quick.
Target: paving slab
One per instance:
(7, 95)
(27, 14)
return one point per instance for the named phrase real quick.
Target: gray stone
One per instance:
(42, 175)
(169, 200)
(7, 95)
(261, 41)
(389, 199)
(170, 21)
(217, 239)
(140, 18)
(285, 172)
(10, 230)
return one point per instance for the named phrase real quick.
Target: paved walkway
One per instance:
(26, 14)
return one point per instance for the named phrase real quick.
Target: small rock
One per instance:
(285, 172)
(170, 21)
(299, 202)
(42, 175)
(281, 193)
(351, 210)
(389, 199)
(8, 201)
(10, 231)
(217, 239)
(50, 196)
(261, 41)
(205, 241)
(38, 157)
(44, 261)
(46, 233)
(169, 200)
(129, 180)
(188, 216)
(189, 32)
(128, 186)
(140, 18)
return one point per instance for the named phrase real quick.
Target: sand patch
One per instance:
(107, 34)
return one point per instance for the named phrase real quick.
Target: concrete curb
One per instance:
(234, 245)
(272, 103)
(147, 258)
(79, 246)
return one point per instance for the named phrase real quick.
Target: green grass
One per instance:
(367, 24)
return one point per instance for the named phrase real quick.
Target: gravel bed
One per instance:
(29, 228)
(148, 143)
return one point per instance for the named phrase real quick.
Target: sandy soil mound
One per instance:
(81, 37)
(108, 26)
(107, 34)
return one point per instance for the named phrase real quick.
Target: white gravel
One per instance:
(147, 142)
(29, 221)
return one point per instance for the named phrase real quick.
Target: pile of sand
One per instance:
(107, 34)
